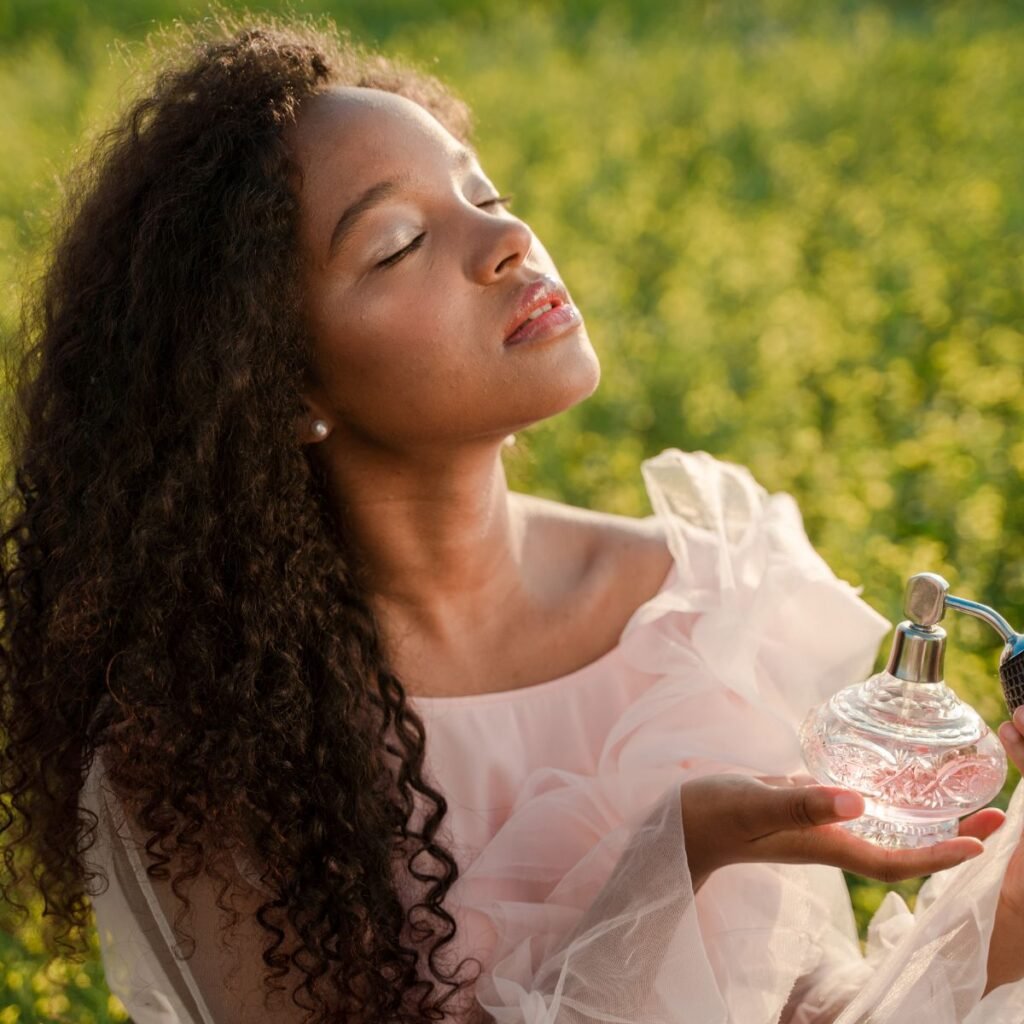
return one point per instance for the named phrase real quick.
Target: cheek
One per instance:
(401, 356)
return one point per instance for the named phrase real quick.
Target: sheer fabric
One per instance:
(564, 813)
(136, 941)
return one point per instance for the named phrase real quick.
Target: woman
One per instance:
(294, 685)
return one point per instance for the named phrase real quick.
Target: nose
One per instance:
(502, 244)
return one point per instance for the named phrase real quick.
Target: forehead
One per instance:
(365, 133)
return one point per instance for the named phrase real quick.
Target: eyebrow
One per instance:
(372, 197)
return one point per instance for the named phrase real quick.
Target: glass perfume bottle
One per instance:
(919, 755)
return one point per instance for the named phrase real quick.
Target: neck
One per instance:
(439, 535)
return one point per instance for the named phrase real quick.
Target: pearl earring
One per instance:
(320, 429)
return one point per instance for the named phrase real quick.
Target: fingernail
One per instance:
(847, 805)
(1008, 733)
(1018, 716)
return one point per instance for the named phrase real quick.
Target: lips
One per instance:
(538, 299)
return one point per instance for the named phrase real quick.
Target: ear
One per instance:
(315, 412)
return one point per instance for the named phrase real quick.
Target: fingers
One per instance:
(897, 865)
(982, 824)
(793, 779)
(772, 810)
(836, 846)
(1013, 742)
(742, 819)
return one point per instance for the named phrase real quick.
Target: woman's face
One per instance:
(414, 278)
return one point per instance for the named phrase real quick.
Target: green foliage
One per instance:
(796, 231)
(33, 988)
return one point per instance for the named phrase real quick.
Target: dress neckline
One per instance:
(537, 689)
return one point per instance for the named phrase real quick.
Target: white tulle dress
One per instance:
(574, 891)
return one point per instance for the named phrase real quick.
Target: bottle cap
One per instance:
(918, 653)
(919, 647)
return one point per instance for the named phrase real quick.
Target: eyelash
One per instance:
(411, 247)
(498, 200)
(418, 240)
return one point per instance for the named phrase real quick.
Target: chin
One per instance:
(563, 391)
(585, 392)
(586, 369)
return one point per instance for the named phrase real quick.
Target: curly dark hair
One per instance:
(176, 591)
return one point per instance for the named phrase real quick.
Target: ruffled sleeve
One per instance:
(143, 964)
(585, 889)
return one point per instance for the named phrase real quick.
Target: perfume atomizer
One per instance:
(920, 756)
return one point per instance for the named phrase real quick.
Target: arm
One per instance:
(1006, 948)
(639, 949)
(738, 820)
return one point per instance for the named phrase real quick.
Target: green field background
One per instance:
(796, 232)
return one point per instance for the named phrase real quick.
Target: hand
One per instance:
(731, 819)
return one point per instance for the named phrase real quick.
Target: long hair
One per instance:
(175, 591)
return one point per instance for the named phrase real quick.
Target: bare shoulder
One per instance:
(630, 550)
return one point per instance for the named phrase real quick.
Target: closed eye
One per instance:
(496, 201)
(389, 261)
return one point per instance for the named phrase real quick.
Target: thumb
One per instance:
(801, 807)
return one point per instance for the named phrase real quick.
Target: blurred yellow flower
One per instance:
(116, 1009)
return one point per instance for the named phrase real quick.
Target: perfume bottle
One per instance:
(919, 755)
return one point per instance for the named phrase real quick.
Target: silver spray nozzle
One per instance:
(925, 602)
